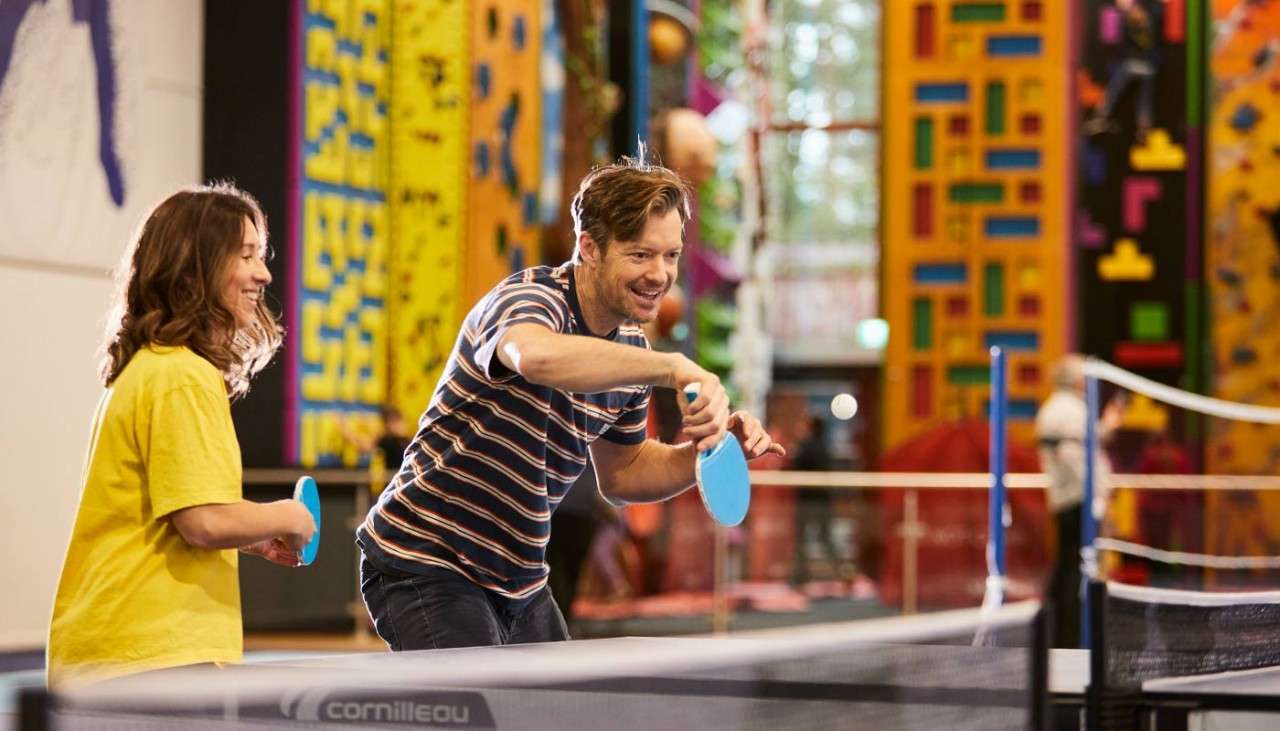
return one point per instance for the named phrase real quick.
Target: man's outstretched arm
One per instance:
(583, 364)
(651, 471)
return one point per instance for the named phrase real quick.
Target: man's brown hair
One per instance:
(614, 201)
(169, 287)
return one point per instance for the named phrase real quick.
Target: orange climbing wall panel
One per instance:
(504, 162)
(1243, 256)
(975, 232)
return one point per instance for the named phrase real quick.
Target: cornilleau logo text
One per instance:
(439, 714)
(446, 709)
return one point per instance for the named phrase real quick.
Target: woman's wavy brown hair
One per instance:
(170, 282)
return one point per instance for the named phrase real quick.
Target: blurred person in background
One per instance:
(391, 439)
(1060, 434)
(814, 506)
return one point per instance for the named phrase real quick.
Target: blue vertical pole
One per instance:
(999, 408)
(639, 91)
(1088, 525)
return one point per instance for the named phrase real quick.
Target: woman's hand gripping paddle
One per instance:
(305, 492)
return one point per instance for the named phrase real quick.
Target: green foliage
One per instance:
(720, 40)
(720, 55)
(715, 320)
(718, 219)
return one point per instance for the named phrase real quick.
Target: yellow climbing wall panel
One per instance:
(429, 117)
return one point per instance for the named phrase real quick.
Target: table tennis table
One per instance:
(539, 687)
(655, 683)
(1242, 699)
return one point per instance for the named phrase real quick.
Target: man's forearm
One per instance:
(658, 472)
(584, 364)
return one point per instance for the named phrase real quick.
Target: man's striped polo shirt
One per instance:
(494, 454)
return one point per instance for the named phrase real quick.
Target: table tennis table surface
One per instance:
(1069, 675)
(1067, 681)
(1240, 700)
(1068, 672)
(543, 686)
(1068, 668)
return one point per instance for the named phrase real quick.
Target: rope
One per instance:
(1183, 399)
(1188, 559)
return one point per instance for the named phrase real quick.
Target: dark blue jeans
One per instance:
(439, 608)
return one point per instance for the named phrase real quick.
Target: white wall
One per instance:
(59, 233)
(51, 327)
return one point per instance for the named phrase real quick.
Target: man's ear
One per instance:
(587, 249)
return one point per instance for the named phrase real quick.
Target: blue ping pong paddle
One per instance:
(305, 492)
(721, 472)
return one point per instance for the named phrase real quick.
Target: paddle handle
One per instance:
(691, 391)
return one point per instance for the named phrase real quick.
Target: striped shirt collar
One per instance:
(572, 270)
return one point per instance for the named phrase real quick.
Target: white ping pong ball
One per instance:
(844, 406)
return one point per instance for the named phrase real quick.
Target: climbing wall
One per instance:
(975, 229)
(1243, 265)
(505, 169)
(1138, 225)
(1139, 231)
(429, 130)
(337, 311)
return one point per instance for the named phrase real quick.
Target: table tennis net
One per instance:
(1166, 525)
(903, 673)
(1151, 633)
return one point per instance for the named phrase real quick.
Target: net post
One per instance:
(35, 709)
(1096, 594)
(1088, 524)
(1040, 644)
(999, 398)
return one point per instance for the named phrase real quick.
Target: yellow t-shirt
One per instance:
(133, 595)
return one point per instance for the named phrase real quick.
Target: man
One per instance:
(1142, 21)
(1060, 427)
(814, 508)
(548, 364)
(391, 439)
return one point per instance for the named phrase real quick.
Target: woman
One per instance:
(150, 579)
